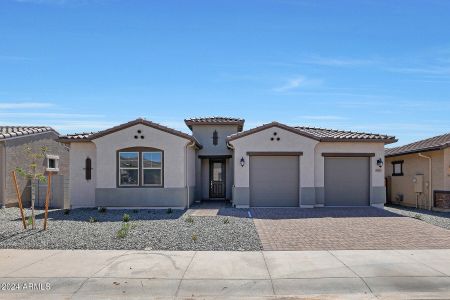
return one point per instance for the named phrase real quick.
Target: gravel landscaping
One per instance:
(441, 219)
(147, 229)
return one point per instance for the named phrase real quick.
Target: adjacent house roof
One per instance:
(434, 143)
(83, 137)
(215, 121)
(321, 134)
(7, 132)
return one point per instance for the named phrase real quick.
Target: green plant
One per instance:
(126, 217)
(30, 220)
(189, 219)
(123, 231)
(226, 221)
(194, 237)
(417, 216)
(169, 210)
(66, 211)
(92, 220)
(30, 172)
(102, 209)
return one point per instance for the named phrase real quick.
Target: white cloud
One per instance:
(47, 115)
(337, 62)
(24, 105)
(297, 82)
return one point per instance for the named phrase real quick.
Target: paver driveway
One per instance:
(344, 229)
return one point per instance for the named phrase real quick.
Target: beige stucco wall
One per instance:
(260, 141)
(204, 134)
(414, 165)
(16, 156)
(377, 173)
(311, 163)
(172, 145)
(82, 191)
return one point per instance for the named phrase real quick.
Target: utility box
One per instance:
(418, 183)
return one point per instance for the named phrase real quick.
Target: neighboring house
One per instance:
(144, 164)
(408, 170)
(13, 142)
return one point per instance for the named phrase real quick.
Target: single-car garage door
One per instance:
(274, 181)
(347, 181)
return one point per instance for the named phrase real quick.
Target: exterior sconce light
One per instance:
(242, 161)
(380, 163)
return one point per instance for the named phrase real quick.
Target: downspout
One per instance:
(430, 185)
(186, 168)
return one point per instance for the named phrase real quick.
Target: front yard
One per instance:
(229, 229)
(147, 229)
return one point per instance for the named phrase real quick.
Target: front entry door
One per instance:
(217, 179)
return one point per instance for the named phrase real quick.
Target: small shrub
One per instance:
(194, 237)
(92, 220)
(66, 211)
(226, 221)
(169, 210)
(418, 217)
(123, 231)
(189, 219)
(102, 209)
(135, 211)
(126, 217)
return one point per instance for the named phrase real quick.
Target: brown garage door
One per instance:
(347, 181)
(274, 181)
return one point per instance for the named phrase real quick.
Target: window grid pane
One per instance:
(152, 168)
(129, 168)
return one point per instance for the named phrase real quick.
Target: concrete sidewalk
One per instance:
(364, 274)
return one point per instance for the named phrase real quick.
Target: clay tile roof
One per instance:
(341, 135)
(321, 134)
(215, 121)
(89, 136)
(7, 132)
(434, 143)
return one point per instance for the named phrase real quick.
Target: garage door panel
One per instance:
(347, 181)
(274, 181)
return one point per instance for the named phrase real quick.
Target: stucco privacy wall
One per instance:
(261, 142)
(378, 190)
(82, 191)
(413, 165)
(174, 193)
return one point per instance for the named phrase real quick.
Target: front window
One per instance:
(397, 168)
(129, 168)
(140, 167)
(152, 168)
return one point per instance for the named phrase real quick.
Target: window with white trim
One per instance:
(129, 168)
(152, 168)
(52, 163)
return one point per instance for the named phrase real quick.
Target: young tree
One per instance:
(33, 173)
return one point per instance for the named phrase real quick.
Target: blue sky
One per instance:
(365, 65)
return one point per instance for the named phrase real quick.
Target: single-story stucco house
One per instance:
(418, 174)
(13, 142)
(144, 164)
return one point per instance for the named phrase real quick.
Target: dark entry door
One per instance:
(217, 179)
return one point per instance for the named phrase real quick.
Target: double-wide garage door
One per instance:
(274, 181)
(347, 181)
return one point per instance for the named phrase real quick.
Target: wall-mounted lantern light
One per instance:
(380, 163)
(242, 161)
